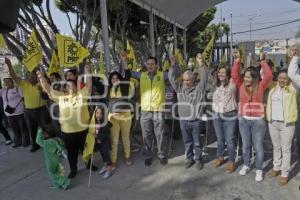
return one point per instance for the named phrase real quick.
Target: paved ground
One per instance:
(23, 177)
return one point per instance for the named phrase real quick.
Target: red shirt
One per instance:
(251, 106)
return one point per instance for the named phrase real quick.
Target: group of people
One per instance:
(57, 114)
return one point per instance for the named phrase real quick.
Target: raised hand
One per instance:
(236, 55)
(262, 56)
(123, 55)
(293, 51)
(199, 59)
(39, 74)
(173, 60)
(89, 68)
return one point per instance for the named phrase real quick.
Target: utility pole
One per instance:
(250, 29)
(231, 39)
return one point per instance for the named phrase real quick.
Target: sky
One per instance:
(263, 13)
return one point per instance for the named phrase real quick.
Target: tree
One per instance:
(196, 27)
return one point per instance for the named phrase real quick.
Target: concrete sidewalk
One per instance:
(24, 177)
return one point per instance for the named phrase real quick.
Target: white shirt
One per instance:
(13, 99)
(277, 104)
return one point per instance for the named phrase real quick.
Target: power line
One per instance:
(268, 27)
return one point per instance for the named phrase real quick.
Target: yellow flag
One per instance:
(131, 57)
(54, 65)
(208, 51)
(70, 52)
(2, 42)
(166, 65)
(178, 56)
(102, 69)
(89, 141)
(33, 53)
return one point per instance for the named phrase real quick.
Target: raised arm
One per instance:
(293, 71)
(12, 71)
(124, 65)
(268, 76)
(203, 73)
(174, 73)
(89, 81)
(44, 83)
(235, 71)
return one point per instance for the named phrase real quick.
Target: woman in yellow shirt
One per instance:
(74, 116)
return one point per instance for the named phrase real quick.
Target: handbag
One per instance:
(8, 108)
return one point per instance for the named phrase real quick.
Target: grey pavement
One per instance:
(23, 176)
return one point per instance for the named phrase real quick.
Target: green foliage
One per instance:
(196, 42)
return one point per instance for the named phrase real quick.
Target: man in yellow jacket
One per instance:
(152, 92)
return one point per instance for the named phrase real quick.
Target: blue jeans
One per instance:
(253, 133)
(225, 132)
(190, 131)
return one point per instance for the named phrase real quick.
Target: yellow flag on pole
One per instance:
(131, 57)
(102, 69)
(2, 42)
(70, 52)
(208, 51)
(33, 53)
(54, 65)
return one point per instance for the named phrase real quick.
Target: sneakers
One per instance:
(34, 148)
(259, 176)
(163, 161)
(72, 174)
(230, 167)
(188, 163)
(199, 164)
(274, 173)
(148, 162)
(8, 142)
(218, 162)
(102, 170)
(283, 180)
(16, 145)
(107, 174)
(245, 169)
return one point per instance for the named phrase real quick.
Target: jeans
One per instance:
(191, 137)
(253, 133)
(225, 132)
(104, 149)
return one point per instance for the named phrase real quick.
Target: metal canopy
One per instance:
(179, 12)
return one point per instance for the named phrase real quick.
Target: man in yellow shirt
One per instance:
(74, 117)
(152, 92)
(36, 112)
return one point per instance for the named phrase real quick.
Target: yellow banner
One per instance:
(208, 51)
(2, 42)
(54, 65)
(70, 52)
(33, 53)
